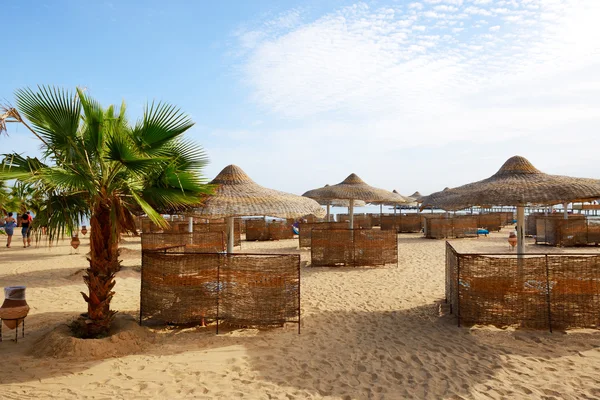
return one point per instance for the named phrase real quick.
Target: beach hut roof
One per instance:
(517, 183)
(236, 195)
(352, 188)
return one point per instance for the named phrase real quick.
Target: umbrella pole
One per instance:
(566, 215)
(191, 225)
(520, 230)
(328, 212)
(351, 213)
(381, 211)
(230, 223)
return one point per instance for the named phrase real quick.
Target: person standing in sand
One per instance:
(9, 225)
(26, 222)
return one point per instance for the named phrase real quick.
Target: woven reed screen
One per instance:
(259, 229)
(490, 221)
(531, 221)
(402, 223)
(149, 226)
(307, 227)
(179, 288)
(507, 217)
(362, 221)
(239, 289)
(313, 219)
(575, 231)
(260, 289)
(538, 291)
(280, 230)
(456, 227)
(256, 229)
(199, 242)
(375, 219)
(353, 247)
(221, 227)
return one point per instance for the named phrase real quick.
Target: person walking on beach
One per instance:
(9, 225)
(26, 222)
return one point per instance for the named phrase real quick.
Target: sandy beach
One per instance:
(367, 333)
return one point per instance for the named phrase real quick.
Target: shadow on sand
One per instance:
(410, 353)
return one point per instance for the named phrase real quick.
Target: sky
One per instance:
(409, 95)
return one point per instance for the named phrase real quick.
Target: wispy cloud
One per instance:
(428, 73)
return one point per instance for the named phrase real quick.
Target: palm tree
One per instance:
(96, 164)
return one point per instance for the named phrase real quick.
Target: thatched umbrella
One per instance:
(416, 196)
(337, 203)
(352, 188)
(517, 183)
(236, 195)
(399, 200)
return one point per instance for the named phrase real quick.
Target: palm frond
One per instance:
(54, 113)
(161, 123)
(60, 178)
(93, 132)
(149, 210)
(119, 150)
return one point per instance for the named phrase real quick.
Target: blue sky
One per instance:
(410, 95)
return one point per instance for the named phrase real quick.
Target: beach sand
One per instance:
(366, 334)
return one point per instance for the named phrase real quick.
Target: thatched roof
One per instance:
(237, 195)
(398, 199)
(352, 188)
(339, 203)
(517, 183)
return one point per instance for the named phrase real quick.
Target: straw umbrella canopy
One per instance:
(337, 203)
(517, 183)
(352, 188)
(416, 196)
(399, 200)
(236, 195)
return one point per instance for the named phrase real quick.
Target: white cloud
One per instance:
(360, 83)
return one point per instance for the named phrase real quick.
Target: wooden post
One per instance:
(191, 225)
(351, 213)
(520, 230)
(230, 234)
(566, 213)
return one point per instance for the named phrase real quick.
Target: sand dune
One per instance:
(366, 334)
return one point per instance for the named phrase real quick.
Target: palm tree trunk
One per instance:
(99, 278)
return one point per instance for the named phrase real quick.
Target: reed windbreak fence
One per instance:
(353, 247)
(261, 230)
(531, 220)
(361, 221)
(567, 232)
(538, 291)
(197, 242)
(239, 289)
(306, 228)
(402, 223)
(221, 227)
(452, 227)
